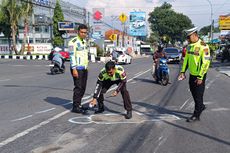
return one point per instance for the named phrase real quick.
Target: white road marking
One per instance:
(27, 131)
(22, 118)
(185, 102)
(90, 119)
(44, 111)
(67, 103)
(19, 65)
(161, 141)
(5, 80)
(138, 73)
(220, 109)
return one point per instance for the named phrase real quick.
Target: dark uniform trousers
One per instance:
(197, 94)
(124, 92)
(79, 87)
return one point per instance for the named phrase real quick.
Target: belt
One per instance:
(81, 67)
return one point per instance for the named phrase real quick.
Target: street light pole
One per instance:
(211, 36)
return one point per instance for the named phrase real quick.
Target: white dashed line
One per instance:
(44, 111)
(22, 118)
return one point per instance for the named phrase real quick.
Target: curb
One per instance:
(25, 57)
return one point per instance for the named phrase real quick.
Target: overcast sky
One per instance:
(199, 11)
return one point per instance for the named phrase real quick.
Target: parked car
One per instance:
(62, 50)
(121, 57)
(173, 54)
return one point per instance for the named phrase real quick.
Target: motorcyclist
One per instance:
(159, 53)
(57, 57)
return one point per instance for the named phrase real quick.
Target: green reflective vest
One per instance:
(78, 53)
(118, 75)
(197, 59)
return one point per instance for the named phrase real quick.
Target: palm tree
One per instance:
(27, 10)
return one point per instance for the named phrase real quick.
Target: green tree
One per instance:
(58, 17)
(13, 12)
(168, 24)
(5, 25)
(27, 10)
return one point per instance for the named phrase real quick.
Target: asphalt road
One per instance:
(35, 113)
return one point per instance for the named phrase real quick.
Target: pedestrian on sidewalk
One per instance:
(197, 60)
(110, 75)
(79, 66)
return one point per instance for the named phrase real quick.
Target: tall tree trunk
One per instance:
(14, 39)
(24, 37)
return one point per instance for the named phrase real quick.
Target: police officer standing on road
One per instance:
(197, 60)
(78, 66)
(110, 75)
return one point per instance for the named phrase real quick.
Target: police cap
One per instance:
(191, 31)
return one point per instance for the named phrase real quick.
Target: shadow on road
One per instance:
(66, 103)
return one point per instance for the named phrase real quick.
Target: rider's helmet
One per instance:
(160, 47)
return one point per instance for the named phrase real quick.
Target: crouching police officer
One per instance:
(110, 75)
(197, 60)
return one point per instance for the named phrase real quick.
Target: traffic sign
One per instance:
(123, 18)
(224, 22)
(113, 37)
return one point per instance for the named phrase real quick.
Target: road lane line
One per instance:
(22, 118)
(27, 131)
(138, 73)
(5, 80)
(185, 102)
(44, 111)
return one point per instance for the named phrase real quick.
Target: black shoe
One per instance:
(128, 115)
(100, 110)
(77, 110)
(204, 107)
(193, 119)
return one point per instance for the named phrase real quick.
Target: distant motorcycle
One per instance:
(57, 64)
(162, 72)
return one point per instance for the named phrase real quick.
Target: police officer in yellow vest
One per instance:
(197, 60)
(79, 65)
(110, 75)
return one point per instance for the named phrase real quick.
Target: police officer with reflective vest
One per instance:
(79, 66)
(197, 60)
(110, 75)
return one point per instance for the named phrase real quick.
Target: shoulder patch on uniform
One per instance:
(203, 43)
(103, 71)
(206, 51)
(100, 76)
(120, 68)
(74, 40)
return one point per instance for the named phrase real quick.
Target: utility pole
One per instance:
(211, 29)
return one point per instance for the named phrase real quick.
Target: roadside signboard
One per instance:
(137, 24)
(98, 23)
(63, 26)
(224, 22)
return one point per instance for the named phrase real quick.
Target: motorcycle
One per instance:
(162, 72)
(57, 64)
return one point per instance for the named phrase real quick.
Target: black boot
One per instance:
(193, 118)
(100, 109)
(77, 110)
(128, 115)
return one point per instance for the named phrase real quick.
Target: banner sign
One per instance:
(137, 24)
(63, 26)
